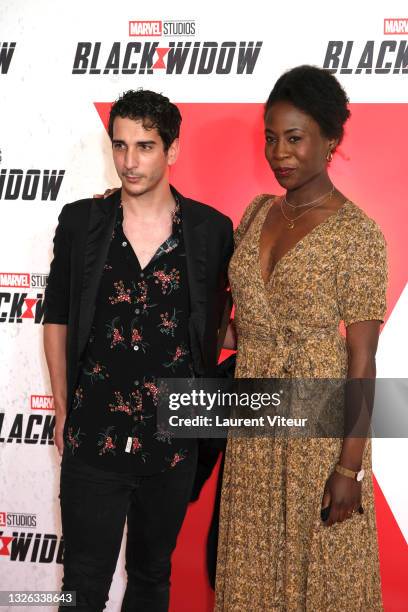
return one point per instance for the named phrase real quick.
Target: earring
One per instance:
(329, 155)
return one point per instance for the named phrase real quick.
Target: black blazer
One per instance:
(81, 246)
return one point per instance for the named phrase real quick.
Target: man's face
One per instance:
(139, 156)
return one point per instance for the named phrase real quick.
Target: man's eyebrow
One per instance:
(138, 142)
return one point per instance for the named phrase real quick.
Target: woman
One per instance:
(303, 263)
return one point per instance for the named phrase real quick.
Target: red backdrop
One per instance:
(222, 164)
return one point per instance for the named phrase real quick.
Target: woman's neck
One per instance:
(310, 191)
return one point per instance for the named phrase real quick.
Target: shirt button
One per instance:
(137, 311)
(135, 348)
(124, 243)
(141, 275)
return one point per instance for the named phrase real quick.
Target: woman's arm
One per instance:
(230, 341)
(362, 341)
(343, 493)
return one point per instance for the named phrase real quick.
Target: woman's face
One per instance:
(294, 145)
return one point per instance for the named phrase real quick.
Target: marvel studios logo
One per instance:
(179, 27)
(23, 280)
(41, 402)
(395, 25)
(17, 519)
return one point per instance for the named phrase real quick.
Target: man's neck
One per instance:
(150, 205)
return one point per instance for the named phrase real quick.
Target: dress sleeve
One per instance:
(247, 218)
(362, 275)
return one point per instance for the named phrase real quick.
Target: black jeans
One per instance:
(94, 507)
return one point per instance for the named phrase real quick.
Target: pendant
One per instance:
(291, 225)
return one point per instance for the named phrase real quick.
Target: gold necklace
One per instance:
(319, 199)
(291, 222)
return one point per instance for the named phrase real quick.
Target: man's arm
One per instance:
(55, 341)
(56, 312)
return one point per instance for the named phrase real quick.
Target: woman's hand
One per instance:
(107, 193)
(343, 495)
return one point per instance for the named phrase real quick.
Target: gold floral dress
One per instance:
(274, 552)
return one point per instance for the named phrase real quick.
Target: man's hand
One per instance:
(107, 193)
(55, 343)
(343, 495)
(59, 432)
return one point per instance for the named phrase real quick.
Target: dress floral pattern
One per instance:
(275, 555)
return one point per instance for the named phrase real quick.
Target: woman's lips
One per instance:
(283, 172)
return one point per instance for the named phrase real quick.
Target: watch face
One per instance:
(360, 476)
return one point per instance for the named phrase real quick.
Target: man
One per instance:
(135, 293)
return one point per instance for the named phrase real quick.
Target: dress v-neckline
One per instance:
(289, 252)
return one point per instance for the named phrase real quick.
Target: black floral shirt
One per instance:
(139, 334)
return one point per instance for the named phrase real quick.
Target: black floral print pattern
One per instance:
(177, 357)
(107, 441)
(73, 439)
(96, 371)
(168, 281)
(139, 335)
(78, 397)
(115, 333)
(168, 324)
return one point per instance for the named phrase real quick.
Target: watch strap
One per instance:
(346, 472)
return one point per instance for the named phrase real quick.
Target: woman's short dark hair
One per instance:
(316, 92)
(153, 109)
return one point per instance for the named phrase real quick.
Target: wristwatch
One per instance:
(358, 476)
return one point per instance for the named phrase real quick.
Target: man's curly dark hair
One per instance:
(317, 93)
(153, 109)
